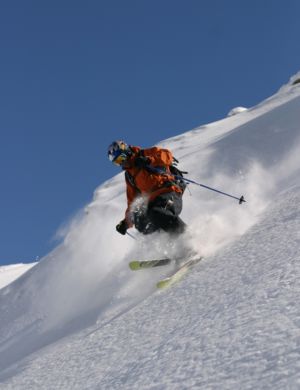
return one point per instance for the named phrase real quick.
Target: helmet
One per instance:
(118, 152)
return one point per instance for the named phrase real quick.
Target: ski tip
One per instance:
(134, 265)
(163, 284)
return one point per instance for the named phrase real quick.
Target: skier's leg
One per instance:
(143, 223)
(164, 213)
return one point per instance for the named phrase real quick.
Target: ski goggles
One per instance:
(117, 153)
(120, 159)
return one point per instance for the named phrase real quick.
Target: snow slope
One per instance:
(80, 319)
(8, 273)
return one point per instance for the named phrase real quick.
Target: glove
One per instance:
(122, 227)
(141, 161)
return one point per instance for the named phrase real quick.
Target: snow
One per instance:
(9, 273)
(81, 319)
(236, 110)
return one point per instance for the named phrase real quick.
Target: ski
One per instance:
(178, 274)
(137, 265)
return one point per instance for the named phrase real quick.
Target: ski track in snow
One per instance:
(81, 319)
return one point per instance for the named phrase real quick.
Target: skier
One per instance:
(154, 195)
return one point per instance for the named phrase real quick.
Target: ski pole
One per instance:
(130, 235)
(241, 199)
(156, 170)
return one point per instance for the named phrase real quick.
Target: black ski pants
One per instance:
(162, 213)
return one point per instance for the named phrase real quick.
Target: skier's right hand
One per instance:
(122, 227)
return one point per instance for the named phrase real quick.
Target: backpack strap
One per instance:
(130, 180)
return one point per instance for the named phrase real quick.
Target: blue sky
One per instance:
(75, 75)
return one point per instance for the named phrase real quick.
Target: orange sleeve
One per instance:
(131, 194)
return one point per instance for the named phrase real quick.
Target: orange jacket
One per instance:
(139, 181)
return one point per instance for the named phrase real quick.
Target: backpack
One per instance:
(176, 172)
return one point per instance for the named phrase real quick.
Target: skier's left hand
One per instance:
(122, 227)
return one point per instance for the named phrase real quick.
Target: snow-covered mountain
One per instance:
(81, 319)
(8, 273)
